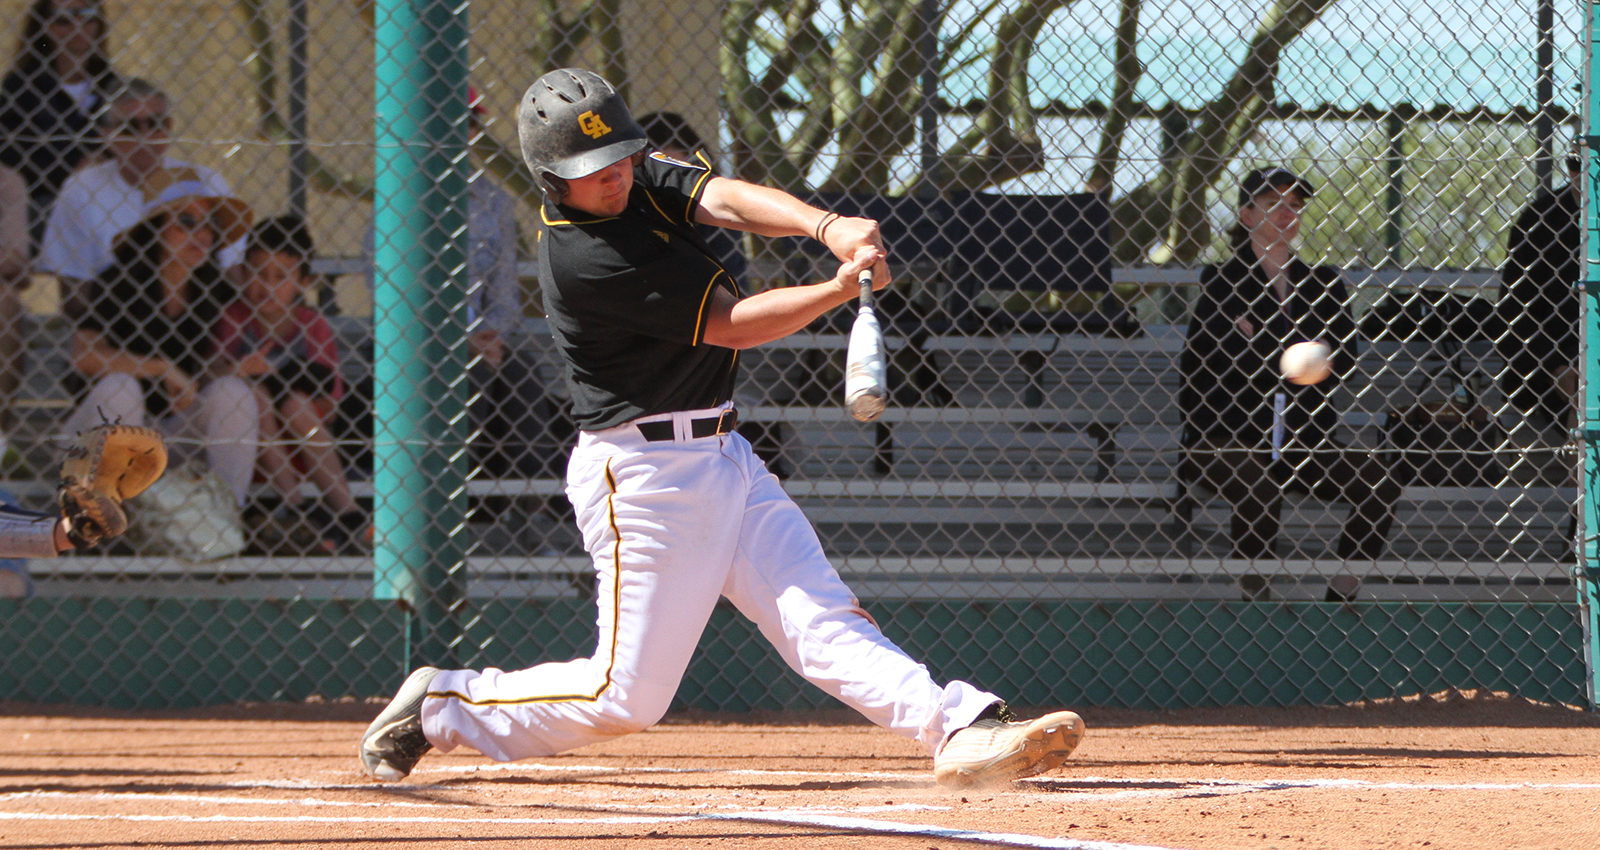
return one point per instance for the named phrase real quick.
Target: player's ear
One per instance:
(553, 186)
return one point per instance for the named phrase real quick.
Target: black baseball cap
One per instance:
(1272, 177)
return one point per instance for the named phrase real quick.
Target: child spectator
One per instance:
(287, 350)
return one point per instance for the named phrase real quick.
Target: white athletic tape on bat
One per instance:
(864, 377)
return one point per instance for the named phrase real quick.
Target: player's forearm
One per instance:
(757, 209)
(24, 534)
(770, 315)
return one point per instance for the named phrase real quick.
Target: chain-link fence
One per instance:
(1093, 484)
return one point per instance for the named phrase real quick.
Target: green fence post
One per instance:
(1588, 544)
(419, 236)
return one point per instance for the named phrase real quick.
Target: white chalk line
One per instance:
(1219, 787)
(808, 817)
(1005, 839)
(1238, 786)
(1008, 839)
(350, 819)
(165, 797)
(1183, 786)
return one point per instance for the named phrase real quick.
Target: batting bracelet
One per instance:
(823, 224)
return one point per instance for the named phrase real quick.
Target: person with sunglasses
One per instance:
(144, 341)
(105, 199)
(60, 78)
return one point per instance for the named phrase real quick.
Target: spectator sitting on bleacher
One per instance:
(143, 340)
(13, 279)
(1541, 309)
(287, 350)
(105, 199)
(1248, 433)
(59, 78)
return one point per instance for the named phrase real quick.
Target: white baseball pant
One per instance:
(672, 526)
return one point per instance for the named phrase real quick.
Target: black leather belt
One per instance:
(661, 432)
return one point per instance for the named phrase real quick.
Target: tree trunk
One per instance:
(1173, 203)
(262, 68)
(1129, 69)
(1002, 144)
(1229, 120)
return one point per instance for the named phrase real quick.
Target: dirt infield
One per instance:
(1461, 771)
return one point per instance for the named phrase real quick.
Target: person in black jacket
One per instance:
(1248, 433)
(60, 78)
(1539, 304)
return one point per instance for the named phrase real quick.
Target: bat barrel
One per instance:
(864, 392)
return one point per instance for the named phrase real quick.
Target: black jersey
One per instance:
(628, 297)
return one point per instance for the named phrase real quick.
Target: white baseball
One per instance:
(1306, 363)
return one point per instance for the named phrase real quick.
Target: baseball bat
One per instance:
(864, 378)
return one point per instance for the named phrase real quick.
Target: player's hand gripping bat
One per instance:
(865, 391)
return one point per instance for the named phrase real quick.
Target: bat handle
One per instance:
(866, 287)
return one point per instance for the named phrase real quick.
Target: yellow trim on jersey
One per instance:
(547, 221)
(697, 186)
(616, 616)
(705, 300)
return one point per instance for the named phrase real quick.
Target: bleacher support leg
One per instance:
(882, 448)
(1032, 363)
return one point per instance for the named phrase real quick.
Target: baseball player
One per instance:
(674, 507)
(105, 466)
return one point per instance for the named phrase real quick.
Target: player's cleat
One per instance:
(997, 749)
(394, 742)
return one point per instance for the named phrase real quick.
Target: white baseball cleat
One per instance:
(996, 749)
(394, 742)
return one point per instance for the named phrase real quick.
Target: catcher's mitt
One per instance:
(105, 465)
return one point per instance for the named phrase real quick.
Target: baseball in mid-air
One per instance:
(1306, 363)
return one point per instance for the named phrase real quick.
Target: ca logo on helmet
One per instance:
(592, 126)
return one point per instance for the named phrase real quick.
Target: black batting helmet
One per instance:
(572, 123)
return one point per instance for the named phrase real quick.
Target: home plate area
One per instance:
(1463, 771)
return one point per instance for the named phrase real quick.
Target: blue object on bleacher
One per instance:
(16, 565)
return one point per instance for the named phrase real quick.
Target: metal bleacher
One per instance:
(1049, 477)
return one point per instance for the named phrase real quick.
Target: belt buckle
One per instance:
(727, 421)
